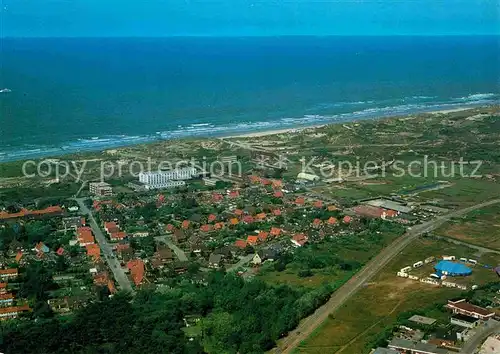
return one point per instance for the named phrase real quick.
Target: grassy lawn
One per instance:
(353, 328)
(290, 277)
(481, 227)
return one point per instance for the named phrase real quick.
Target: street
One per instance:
(483, 332)
(307, 326)
(113, 263)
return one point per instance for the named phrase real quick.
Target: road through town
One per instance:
(113, 263)
(339, 297)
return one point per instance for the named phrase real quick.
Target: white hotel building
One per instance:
(167, 179)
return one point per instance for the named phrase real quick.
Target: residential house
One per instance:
(212, 218)
(41, 249)
(206, 228)
(278, 194)
(215, 261)
(179, 236)
(347, 219)
(8, 273)
(275, 231)
(238, 243)
(263, 236)
(316, 223)
(252, 240)
(137, 270)
(6, 299)
(318, 204)
(111, 227)
(248, 219)
(12, 312)
(85, 236)
(332, 221)
(299, 240)
(300, 201)
(464, 321)
(93, 251)
(3, 288)
(118, 236)
(185, 224)
(264, 255)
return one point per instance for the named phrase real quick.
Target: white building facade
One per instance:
(167, 179)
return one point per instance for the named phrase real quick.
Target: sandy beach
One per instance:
(295, 130)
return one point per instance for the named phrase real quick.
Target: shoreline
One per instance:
(299, 129)
(57, 152)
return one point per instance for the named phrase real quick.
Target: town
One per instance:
(272, 223)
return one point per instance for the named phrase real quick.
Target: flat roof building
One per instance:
(423, 320)
(101, 189)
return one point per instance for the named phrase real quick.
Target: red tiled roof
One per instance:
(93, 250)
(110, 225)
(300, 201)
(217, 197)
(234, 194)
(24, 213)
(248, 219)
(252, 240)
(19, 255)
(86, 237)
(122, 247)
(136, 268)
(118, 235)
(263, 235)
(60, 251)
(277, 212)
(316, 222)
(278, 194)
(3, 285)
(12, 310)
(240, 243)
(465, 306)
(332, 220)
(300, 239)
(185, 224)
(260, 216)
(347, 219)
(277, 183)
(332, 208)
(7, 296)
(275, 231)
(206, 228)
(318, 204)
(219, 225)
(212, 217)
(238, 212)
(234, 221)
(265, 181)
(170, 227)
(9, 271)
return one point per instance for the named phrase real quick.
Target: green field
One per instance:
(354, 327)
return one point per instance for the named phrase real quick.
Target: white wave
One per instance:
(478, 97)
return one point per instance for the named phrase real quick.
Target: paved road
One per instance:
(113, 263)
(178, 252)
(482, 333)
(339, 297)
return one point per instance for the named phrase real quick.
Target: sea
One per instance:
(67, 95)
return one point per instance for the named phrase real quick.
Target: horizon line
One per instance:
(258, 36)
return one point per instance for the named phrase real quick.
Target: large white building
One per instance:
(167, 179)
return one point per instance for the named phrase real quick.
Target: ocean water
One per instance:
(69, 95)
